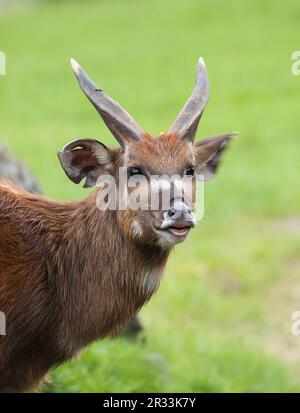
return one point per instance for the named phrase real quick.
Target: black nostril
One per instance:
(171, 212)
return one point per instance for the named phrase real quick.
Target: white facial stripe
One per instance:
(179, 185)
(162, 184)
(166, 183)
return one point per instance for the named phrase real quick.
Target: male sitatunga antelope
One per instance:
(72, 272)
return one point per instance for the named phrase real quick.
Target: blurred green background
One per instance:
(221, 320)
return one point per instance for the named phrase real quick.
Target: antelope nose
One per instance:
(179, 211)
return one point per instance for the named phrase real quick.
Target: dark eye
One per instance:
(134, 170)
(190, 170)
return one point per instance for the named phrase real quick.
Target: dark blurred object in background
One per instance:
(133, 328)
(14, 170)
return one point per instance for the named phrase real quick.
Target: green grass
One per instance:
(221, 319)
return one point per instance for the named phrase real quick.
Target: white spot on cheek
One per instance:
(136, 229)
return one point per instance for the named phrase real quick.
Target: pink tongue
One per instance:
(179, 232)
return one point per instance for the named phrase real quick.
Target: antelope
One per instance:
(71, 272)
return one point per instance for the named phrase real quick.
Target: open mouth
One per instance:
(178, 230)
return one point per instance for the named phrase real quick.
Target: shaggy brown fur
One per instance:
(59, 289)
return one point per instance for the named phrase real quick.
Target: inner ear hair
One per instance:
(85, 158)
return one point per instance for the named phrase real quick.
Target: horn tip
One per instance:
(75, 66)
(201, 62)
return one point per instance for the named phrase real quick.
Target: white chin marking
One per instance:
(167, 239)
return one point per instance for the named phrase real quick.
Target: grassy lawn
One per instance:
(222, 317)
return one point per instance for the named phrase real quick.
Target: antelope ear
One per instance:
(85, 158)
(208, 153)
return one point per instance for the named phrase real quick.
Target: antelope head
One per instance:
(164, 166)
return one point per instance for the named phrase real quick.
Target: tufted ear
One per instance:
(85, 158)
(208, 153)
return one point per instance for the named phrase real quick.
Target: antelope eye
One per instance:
(190, 170)
(134, 170)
